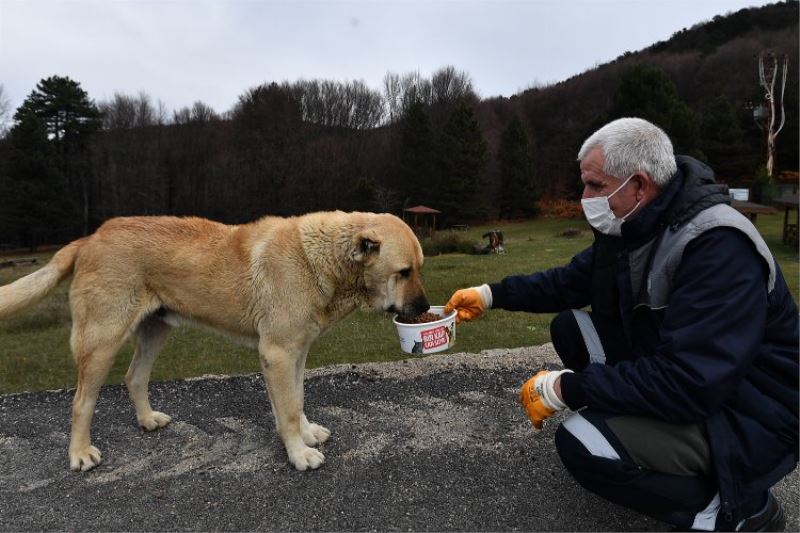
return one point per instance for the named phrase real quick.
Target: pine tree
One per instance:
(69, 118)
(649, 93)
(416, 165)
(461, 166)
(65, 109)
(35, 198)
(723, 139)
(364, 195)
(518, 193)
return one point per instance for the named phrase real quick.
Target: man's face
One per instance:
(598, 183)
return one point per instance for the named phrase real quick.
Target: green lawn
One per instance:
(34, 346)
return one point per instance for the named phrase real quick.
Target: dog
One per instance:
(276, 283)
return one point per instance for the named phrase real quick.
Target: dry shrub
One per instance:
(550, 208)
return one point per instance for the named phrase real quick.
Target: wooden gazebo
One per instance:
(425, 214)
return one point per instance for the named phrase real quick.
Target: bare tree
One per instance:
(161, 113)
(125, 112)
(5, 111)
(366, 107)
(118, 113)
(401, 92)
(414, 88)
(199, 112)
(440, 93)
(449, 85)
(765, 115)
(182, 116)
(350, 105)
(202, 112)
(391, 96)
(145, 112)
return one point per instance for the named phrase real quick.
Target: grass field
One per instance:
(34, 346)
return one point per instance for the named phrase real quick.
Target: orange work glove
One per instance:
(469, 303)
(538, 397)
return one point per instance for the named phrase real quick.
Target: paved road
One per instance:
(432, 444)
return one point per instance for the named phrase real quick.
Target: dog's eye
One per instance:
(406, 272)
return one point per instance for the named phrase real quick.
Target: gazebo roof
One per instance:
(421, 210)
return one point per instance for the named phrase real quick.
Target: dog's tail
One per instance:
(26, 291)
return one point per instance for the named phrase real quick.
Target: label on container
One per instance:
(433, 338)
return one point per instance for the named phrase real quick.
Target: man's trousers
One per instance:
(659, 469)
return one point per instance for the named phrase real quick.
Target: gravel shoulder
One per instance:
(430, 444)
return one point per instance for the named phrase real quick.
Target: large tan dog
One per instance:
(276, 283)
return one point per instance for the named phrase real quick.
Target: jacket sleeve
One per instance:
(556, 289)
(710, 334)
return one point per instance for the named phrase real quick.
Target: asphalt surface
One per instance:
(431, 444)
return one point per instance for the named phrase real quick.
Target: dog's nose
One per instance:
(420, 305)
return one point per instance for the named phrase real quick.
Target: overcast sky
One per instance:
(182, 51)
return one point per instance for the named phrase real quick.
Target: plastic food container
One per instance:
(428, 337)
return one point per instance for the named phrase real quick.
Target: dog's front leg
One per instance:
(279, 366)
(313, 434)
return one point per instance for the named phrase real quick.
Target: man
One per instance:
(687, 364)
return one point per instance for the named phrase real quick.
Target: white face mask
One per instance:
(599, 214)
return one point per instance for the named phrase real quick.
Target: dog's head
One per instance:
(392, 258)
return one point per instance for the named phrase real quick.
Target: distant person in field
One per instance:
(685, 370)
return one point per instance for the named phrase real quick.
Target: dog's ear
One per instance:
(366, 244)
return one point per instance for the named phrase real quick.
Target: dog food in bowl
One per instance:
(429, 332)
(419, 319)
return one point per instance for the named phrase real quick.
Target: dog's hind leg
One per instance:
(313, 434)
(280, 373)
(94, 354)
(150, 337)
(103, 315)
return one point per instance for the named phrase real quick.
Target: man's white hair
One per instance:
(631, 145)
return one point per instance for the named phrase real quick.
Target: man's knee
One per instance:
(589, 456)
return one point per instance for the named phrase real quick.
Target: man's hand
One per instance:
(539, 398)
(469, 303)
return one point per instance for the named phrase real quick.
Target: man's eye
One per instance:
(406, 272)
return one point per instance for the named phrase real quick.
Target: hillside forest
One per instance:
(68, 163)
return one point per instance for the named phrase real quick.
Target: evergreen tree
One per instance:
(518, 189)
(364, 195)
(723, 139)
(35, 202)
(69, 119)
(416, 164)
(649, 93)
(64, 108)
(461, 165)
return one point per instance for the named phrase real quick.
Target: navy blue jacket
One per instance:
(724, 353)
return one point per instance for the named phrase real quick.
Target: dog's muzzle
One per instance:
(416, 306)
(411, 309)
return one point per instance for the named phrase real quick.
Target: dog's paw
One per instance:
(154, 420)
(84, 459)
(320, 433)
(314, 434)
(307, 458)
